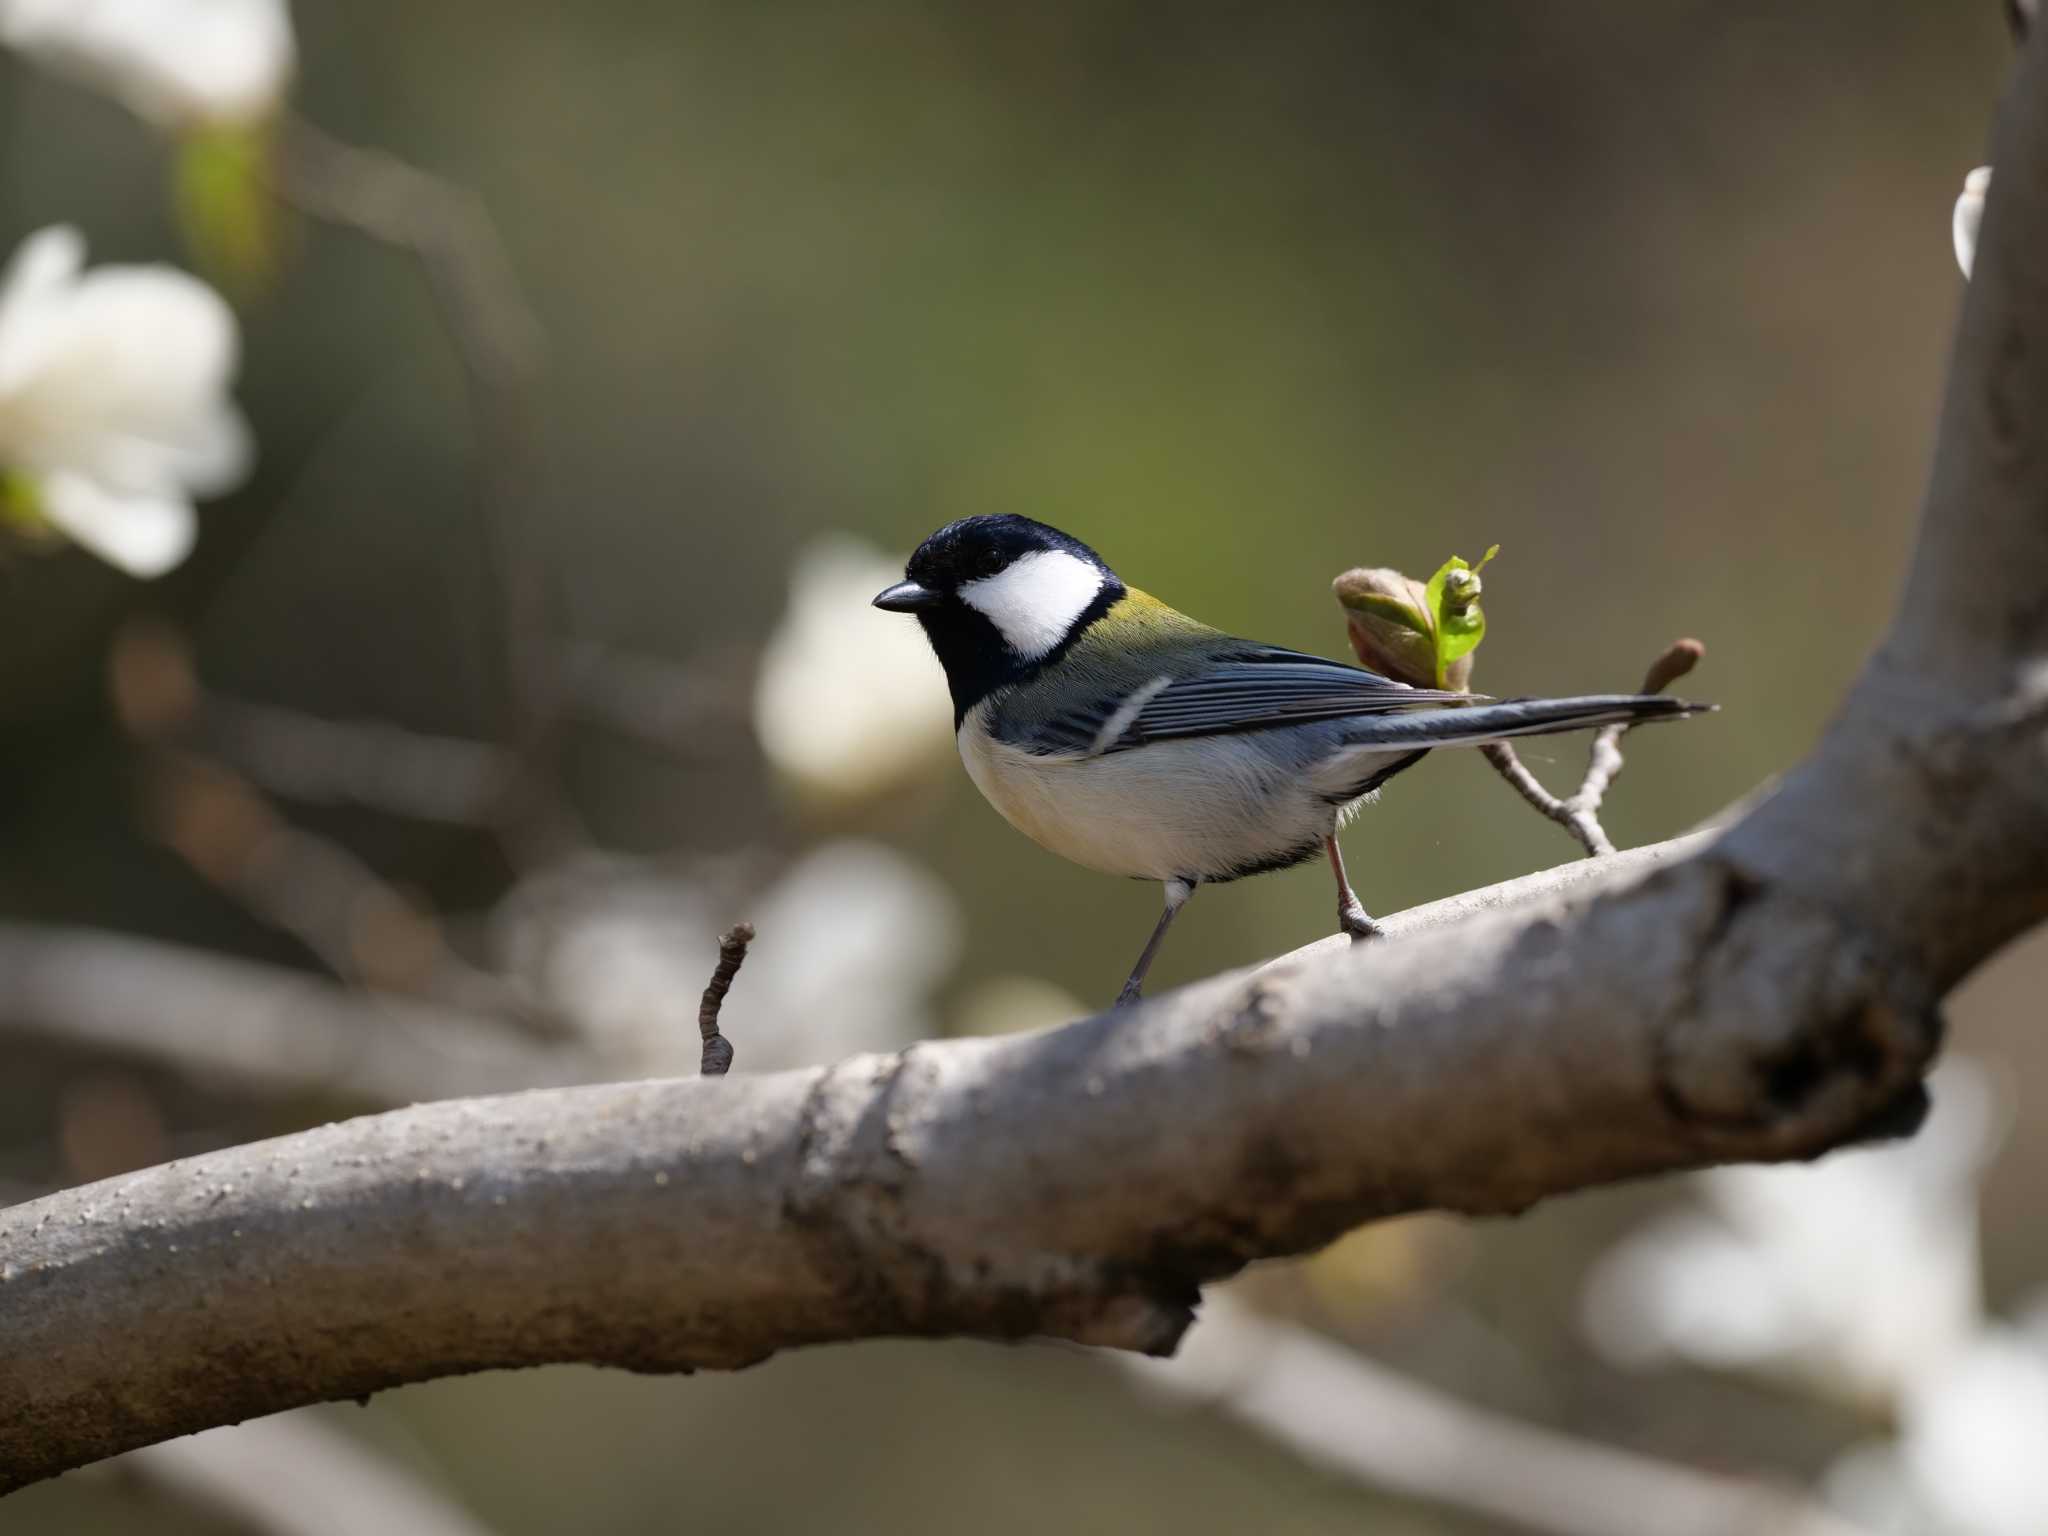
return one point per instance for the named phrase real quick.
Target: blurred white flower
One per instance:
(849, 702)
(1968, 1458)
(114, 405)
(175, 62)
(1857, 1274)
(851, 943)
(1969, 216)
(1973, 1437)
(855, 939)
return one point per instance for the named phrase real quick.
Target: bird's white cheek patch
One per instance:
(1035, 600)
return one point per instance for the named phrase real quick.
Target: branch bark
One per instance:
(1769, 995)
(1080, 1183)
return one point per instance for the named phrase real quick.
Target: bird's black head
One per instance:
(1000, 597)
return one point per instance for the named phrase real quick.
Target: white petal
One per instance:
(849, 702)
(1858, 1273)
(169, 60)
(214, 456)
(1969, 215)
(880, 933)
(37, 280)
(1973, 1436)
(127, 383)
(113, 397)
(145, 535)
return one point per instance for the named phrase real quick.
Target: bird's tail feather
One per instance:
(1515, 717)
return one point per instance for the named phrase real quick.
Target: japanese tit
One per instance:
(1126, 736)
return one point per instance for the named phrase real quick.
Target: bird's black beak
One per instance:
(906, 597)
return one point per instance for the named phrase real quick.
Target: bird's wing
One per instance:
(1245, 688)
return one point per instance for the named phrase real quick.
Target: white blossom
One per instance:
(1857, 1274)
(175, 62)
(1969, 216)
(1968, 1460)
(1973, 1437)
(849, 702)
(114, 403)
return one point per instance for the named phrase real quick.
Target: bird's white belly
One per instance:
(1202, 809)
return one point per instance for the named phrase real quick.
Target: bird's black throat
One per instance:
(978, 661)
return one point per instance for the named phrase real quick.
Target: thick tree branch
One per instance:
(1771, 995)
(1079, 1183)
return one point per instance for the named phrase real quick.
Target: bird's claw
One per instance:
(1352, 919)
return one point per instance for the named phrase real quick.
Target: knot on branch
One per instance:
(1798, 1028)
(877, 1238)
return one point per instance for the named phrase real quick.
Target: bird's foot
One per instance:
(1352, 918)
(1129, 997)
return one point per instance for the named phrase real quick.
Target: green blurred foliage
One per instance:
(231, 223)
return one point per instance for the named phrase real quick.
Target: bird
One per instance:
(1121, 734)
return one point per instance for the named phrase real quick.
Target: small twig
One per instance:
(1579, 812)
(732, 953)
(1591, 835)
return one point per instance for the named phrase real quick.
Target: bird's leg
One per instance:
(1351, 915)
(1177, 894)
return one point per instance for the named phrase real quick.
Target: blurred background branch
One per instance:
(1337, 1410)
(295, 1475)
(447, 229)
(264, 1030)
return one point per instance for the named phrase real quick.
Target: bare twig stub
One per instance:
(732, 954)
(1579, 813)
